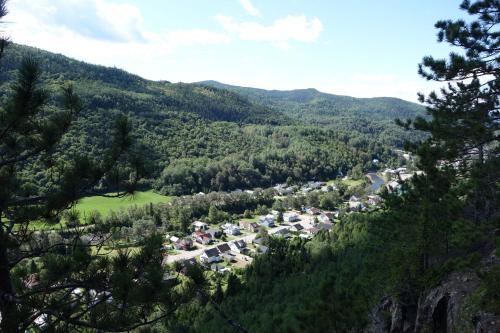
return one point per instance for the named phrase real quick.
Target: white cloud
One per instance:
(99, 31)
(96, 19)
(279, 34)
(249, 8)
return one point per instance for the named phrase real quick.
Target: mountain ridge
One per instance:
(318, 107)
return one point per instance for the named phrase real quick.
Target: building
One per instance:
(291, 217)
(239, 246)
(282, 233)
(313, 211)
(198, 225)
(355, 204)
(374, 200)
(210, 255)
(223, 248)
(215, 233)
(231, 229)
(267, 221)
(249, 225)
(183, 244)
(202, 237)
(297, 227)
(324, 218)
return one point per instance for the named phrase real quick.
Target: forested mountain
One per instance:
(108, 88)
(194, 137)
(311, 105)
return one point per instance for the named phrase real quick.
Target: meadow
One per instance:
(105, 205)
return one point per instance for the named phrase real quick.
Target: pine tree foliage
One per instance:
(63, 280)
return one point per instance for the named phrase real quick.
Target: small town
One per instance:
(225, 246)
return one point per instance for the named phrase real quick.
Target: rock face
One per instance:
(438, 311)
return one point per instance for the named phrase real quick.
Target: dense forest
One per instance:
(425, 259)
(194, 137)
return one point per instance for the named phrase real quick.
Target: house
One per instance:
(267, 221)
(223, 248)
(282, 189)
(311, 231)
(306, 189)
(332, 215)
(219, 268)
(324, 218)
(228, 257)
(282, 233)
(324, 226)
(297, 227)
(405, 176)
(389, 173)
(355, 203)
(355, 206)
(392, 186)
(198, 225)
(215, 233)
(210, 255)
(313, 211)
(202, 237)
(183, 244)
(262, 249)
(258, 241)
(231, 229)
(238, 246)
(291, 217)
(374, 200)
(314, 185)
(249, 225)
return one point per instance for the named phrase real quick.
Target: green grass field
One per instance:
(104, 205)
(349, 182)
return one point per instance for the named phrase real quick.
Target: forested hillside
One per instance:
(313, 106)
(193, 137)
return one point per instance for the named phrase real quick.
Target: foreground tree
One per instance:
(460, 160)
(465, 123)
(54, 277)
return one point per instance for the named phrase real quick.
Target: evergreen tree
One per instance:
(60, 279)
(465, 116)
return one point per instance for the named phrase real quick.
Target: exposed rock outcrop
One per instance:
(439, 310)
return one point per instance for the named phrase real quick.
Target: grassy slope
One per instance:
(105, 205)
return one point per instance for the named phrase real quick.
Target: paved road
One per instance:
(195, 253)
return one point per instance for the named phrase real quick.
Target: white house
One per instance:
(231, 229)
(209, 256)
(238, 246)
(374, 200)
(291, 217)
(198, 225)
(267, 221)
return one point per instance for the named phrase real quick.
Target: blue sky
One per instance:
(360, 48)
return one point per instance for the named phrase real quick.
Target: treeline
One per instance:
(137, 223)
(191, 138)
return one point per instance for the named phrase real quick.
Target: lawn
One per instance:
(349, 182)
(104, 205)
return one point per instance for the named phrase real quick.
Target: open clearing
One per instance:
(104, 205)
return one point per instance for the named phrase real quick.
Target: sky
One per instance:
(361, 48)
